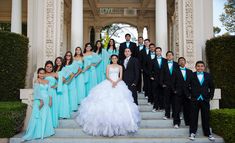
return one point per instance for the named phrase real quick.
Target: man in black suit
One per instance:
(131, 73)
(202, 91)
(182, 93)
(128, 44)
(145, 59)
(139, 48)
(155, 68)
(168, 82)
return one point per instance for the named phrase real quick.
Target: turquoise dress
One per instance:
(40, 123)
(101, 67)
(80, 82)
(63, 95)
(112, 52)
(90, 74)
(72, 90)
(55, 107)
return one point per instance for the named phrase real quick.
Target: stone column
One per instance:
(140, 30)
(16, 16)
(161, 24)
(202, 26)
(193, 26)
(77, 24)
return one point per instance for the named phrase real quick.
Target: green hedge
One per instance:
(12, 116)
(13, 62)
(223, 123)
(220, 52)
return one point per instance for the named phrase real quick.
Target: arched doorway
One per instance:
(117, 32)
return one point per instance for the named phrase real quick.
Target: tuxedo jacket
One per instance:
(166, 78)
(183, 86)
(207, 88)
(139, 56)
(145, 60)
(131, 72)
(155, 69)
(122, 48)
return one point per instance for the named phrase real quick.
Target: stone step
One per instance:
(151, 115)
(142, 101)
(141, 96)
(145, 108)
(144, 115)
(153, 129)
(142, 132)
(117, 140)
(157, 123)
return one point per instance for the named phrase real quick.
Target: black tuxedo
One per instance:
(145, 60)
(139, 85)
(131, 75)
(168, 83)
(182, 97)
(157, 90)
(122, 48)
(206, 90)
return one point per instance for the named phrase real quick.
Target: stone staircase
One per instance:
(153, 129)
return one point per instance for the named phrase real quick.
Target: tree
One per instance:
(216, 30)
(228, 16)
(5, 27)
(112, 30)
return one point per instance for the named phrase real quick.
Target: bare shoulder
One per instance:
(46, 81)
(120, 67)
(108, 66)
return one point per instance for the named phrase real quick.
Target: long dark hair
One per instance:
(86, 46)
(40, 69)
(96, 48)
(76, 53)
(65, 58)
(113, 55)
(48, 63)
(114, 46)
(56, 66)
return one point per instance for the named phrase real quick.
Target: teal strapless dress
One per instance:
(90, 74)
(80, 82)
(55, 105)
(111, 52)
(101, 67)
(40, 124)
(72, 90)
(63, 95)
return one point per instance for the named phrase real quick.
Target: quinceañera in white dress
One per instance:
(109, 110)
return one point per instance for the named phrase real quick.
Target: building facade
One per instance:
(55, 26)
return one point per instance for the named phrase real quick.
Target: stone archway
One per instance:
(117, 32)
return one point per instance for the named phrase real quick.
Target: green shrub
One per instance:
(223, 123)
(13, 62)
(12, 116)
(220, 52)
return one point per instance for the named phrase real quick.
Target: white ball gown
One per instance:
(109, 111)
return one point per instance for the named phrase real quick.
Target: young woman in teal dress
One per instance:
(101, 67)
(71, 69)
(111, 49)
(50, 76)
(40, 123)
(91, 60)
(62, 90)
(79, 76)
